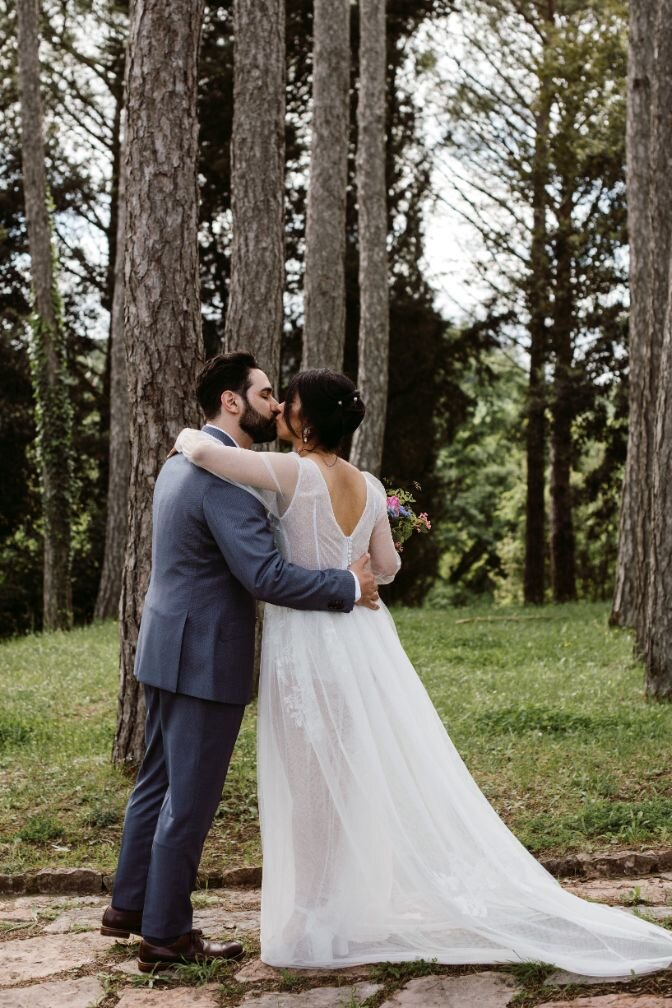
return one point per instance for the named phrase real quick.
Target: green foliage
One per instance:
(481, 534)
(402, 971)
(531, 974)
(290, 981)
(624, 822)
(13, 733)
(537, 719)
(40, 829)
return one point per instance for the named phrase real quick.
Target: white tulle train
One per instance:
(378, 844)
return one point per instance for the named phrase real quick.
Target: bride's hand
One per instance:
(367, 583)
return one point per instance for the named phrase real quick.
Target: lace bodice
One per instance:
(308, 533)
(296, 495)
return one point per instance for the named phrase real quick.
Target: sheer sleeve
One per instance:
(273, 475)
(385, 560)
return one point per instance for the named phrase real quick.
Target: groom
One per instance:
(213, 554)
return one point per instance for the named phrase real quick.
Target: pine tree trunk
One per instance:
(563, 578)
(48, 344)
(162, 311)
(535, 433)
(116, 525)
(655, 635)
(374, 324)
(255, 310)
(629, 603)
(324, 291)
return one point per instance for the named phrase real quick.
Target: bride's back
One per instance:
(330, 518)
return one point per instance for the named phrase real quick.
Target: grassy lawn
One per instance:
(546, 707)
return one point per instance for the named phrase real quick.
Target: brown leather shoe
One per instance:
(121, 923)
(188, 948)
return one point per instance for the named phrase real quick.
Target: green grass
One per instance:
(546, 707)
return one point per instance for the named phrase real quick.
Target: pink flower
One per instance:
(393, 505)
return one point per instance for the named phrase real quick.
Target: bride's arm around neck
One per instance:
(266, 470)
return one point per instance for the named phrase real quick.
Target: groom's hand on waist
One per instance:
(367, 583)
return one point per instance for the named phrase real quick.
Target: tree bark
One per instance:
(655, 636)
(116, 524)
(374, 324)
(535, 433)
(629, 603)
(162, 312)
(255, 310)
(324, 291)
(48, 343)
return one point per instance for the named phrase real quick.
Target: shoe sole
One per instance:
(150, 967)
(118, 933)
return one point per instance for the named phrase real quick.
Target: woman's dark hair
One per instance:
(229, 372)
(331, 406)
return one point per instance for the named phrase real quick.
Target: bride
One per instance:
(377, 843)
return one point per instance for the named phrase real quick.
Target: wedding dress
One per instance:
(377, 843)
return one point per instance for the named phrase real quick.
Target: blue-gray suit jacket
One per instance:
(213, 554)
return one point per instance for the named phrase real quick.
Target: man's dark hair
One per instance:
(229, 372)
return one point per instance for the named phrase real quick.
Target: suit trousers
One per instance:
(188, 746)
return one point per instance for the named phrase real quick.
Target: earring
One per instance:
(306, 435)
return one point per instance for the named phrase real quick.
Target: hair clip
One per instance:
(340, 402)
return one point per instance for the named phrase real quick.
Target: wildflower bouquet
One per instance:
(403, 519)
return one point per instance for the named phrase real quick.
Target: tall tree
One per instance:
(529, 86)
(537, 298)
(162, 310)
(655, 638)
(48, 347)
(119, 457)
(644, 223)
(374, 311)
(255, 309)
(324, 287)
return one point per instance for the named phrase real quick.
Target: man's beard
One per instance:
(258, 427)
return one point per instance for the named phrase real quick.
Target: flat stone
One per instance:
(659, 913)
(655, 890)
(34, 958)
(230, 899)
(67, 880)
(611, 864)
(81, 993)
(257, 971)
(77, 919)
(213, 921)
(563, 979)
(234, 877)
(474, 990)
(129, 967)
(319, 997)
(26, 908)
(613, 1001)
(179, 997)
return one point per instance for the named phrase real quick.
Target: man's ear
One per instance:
(229, 402)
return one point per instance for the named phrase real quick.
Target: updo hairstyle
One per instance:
(331, 406)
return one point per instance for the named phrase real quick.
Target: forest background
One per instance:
(505, 122)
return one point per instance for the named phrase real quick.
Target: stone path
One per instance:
(54, 957)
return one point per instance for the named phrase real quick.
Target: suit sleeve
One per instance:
(242, 532)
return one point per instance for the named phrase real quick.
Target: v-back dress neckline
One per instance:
(331, 503)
